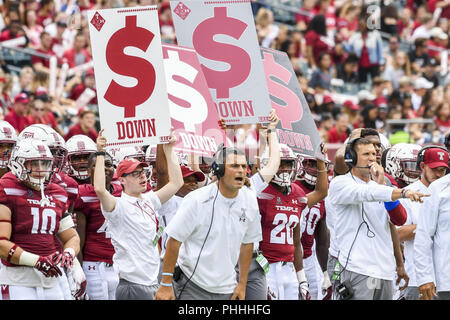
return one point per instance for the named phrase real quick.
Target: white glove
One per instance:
(77, 281)
(303, 287)
(327, 288)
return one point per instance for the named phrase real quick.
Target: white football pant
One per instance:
(102, 280)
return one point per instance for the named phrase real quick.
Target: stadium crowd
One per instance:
(126, 223)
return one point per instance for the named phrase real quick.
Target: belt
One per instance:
(255, 254)
(108, 265)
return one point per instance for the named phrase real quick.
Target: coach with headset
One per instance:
(214, 229)
(364, 206)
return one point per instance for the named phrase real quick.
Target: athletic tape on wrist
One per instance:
(301, 276)
(28, 259)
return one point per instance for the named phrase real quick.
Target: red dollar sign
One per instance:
(207, 47)
(292, 111)
(138, 68)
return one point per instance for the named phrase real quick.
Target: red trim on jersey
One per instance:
(4, 238)
(11, 252)
(5, 292)
(8, 221)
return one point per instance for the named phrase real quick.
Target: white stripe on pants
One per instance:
(102, 280)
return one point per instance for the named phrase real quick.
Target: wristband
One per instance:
(165, 284)
(100, 153)
(70, 251)
(11, 252)
(28, 259)
(391, 205)
(167, 274)
(403, 195)
(301, 276)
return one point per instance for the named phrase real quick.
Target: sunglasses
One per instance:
(134, 174)
(39, 110)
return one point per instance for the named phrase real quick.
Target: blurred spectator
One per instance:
(88, 81)
(421, 85)
(391, 50)
(423, 31)
(365, 98)
(85, 125)
(40, 63)
(326, 7)
(429, 72)
(389, 17)
(436, 43)
(338, 134)
(316, 40)
(352, 111)
(25, 80)
(369, 115)
(419, 56)
(266, 30)
(405, 24)
(45, 13)
(40, 110)
(325, 124)
(347, 22)
(400, 67)
(348, 70)
(166, 23)
(17, 117)
(282, 41)
(442, 119)
(379, 91)
(443, 4)
(13, 31)
(322, 75)
(328, 105)
(32, 28)
(305, 14)
(78, 54)
(368, 47)
(62, 35)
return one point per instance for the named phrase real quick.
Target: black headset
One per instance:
(217, 166)
(421, 154)
(447, 140)
(350, 156)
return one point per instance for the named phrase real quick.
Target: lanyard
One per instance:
(152, 215)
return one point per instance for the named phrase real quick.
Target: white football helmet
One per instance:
(79, 147)
(118, 154)
(150, 159)
(8, 136)
(307, 168)
(49, 136)
(36, 152)
(385, 144)
(401, 162)
(283, 177)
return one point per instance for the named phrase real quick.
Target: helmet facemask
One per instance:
(78, 166)
(5, 153)
(409, 173)
(286, 173)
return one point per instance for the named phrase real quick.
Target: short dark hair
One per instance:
(361, 141)
(369, 132)
(383, 158)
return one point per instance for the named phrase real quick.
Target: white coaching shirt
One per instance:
(132, 227)
(432, 244)
(236, 221)
(414, 210)
(370, 255)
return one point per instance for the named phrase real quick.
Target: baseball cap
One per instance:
(83, 111)
(350, 105)
(365, 95)
(21, 98)
(438, 33)
(89, 72)
(41, 94)
(435, 157)
(128, 165)
(187, 171)
(422, 83)
(327, 99)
